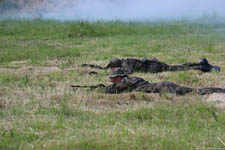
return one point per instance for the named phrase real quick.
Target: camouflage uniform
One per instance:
(128, 84)
(131, 65)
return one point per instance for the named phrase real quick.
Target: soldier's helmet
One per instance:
(117, 73)
(114, 63)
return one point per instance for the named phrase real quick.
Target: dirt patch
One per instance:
(218, 99)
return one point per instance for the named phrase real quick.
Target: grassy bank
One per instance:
(39, 61)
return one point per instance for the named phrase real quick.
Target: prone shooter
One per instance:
(123, 83)
(131, 65)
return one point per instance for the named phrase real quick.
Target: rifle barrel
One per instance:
(93, 66)
(85, 86)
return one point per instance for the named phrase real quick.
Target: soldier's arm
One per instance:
(116, 88)
(127, 84)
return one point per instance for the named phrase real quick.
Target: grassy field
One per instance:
(39, 60)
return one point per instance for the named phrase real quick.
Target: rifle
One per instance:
(93, 66)
(91, 87)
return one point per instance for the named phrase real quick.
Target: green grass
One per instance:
(39, 61)
(40, 40)
(142, 128)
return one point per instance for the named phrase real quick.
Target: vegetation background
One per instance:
(39, 60)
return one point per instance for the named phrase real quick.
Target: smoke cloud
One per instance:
(148, 9)
(128, 10)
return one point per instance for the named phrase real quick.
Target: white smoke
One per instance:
(132, 10)
(148, 9)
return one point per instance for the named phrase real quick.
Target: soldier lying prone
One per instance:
(131, 65)
(123, 83)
